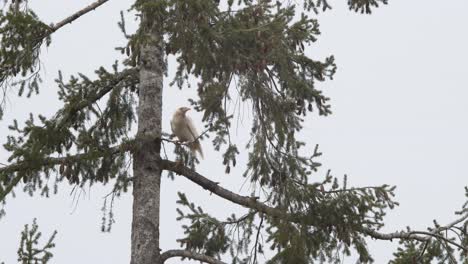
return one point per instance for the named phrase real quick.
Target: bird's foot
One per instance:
(178, 163)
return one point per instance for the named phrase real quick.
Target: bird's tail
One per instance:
(196, 147)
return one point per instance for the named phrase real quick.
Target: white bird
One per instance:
(183, 128)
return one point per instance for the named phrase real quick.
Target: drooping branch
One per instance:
(64, 118)
(25, 166)
(23, 55)
(75, 16)
(68, 111)
(253, 203)
(52, 161)
(190, 255)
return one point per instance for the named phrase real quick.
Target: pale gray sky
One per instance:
(399, 101)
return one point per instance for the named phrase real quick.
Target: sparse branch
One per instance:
(464, 217)
(351, 189)
(70, 19)
(253, 203)
(190, 255)
(422, 236)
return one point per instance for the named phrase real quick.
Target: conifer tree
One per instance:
(259, 44)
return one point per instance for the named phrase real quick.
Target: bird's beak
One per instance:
(187, 109)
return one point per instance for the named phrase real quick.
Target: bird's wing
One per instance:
(172, 126)
(191, 128)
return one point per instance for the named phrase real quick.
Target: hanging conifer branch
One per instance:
(39, 143)
(51, 161)
(253, 203)
(11, 175)
(22, 58)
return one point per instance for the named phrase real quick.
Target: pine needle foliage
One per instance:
(29, 252)
(21, 36)
(53, 141)
(253, 52)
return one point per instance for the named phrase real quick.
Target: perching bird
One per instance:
(182, 126)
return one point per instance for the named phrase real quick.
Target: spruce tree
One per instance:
(253, 49)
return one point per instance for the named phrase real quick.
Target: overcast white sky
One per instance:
(399, 101)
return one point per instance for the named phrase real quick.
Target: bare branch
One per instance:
(190, 255)
(253, 203)
(249, 202)
(70, 19)
(351, 189)
(464, 217)
(422, 236)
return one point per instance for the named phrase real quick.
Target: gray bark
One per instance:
(146, 170)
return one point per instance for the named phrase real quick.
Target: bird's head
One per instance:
(182, 110)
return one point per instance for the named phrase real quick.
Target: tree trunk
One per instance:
(146, 170)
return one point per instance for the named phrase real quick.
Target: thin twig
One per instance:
(256, 239)
(423, 250)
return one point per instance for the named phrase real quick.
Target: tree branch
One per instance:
(76, 107)
(59, 121)
(249, 202)
(8, 70)
(70, 19)
(253, 203)
(422, 236)
(26, 166)
(51, 161)
(189, 254)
